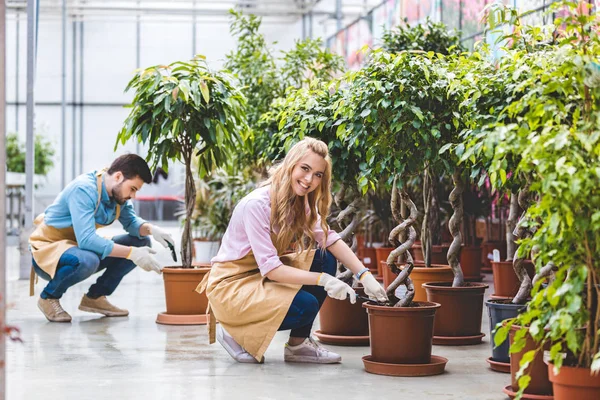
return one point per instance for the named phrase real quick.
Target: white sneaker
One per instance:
(310, 351)
(236, 351)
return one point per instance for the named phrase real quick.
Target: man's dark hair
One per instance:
(131, 166)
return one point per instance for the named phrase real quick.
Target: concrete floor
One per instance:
(134, 358)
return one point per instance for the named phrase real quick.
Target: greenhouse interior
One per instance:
(300, 199)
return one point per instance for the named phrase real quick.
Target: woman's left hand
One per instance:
(373, 289)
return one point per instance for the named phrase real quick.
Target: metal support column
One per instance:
(2, 200)
(194, 18)
(138, 33)
(338, 14)
(29, 146)
(80, 96)
(74, 107)
(63, 105)
(18, 49)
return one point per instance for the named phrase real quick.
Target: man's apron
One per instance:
(48, 243)
(250, 307)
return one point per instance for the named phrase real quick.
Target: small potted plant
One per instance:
(182, 111)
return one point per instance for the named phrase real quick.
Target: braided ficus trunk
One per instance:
(511, 224)
(454, 226)
(546, 272)
(190, 202)
(521, 232)
(406, 225)
(426, 231)
(348, 220)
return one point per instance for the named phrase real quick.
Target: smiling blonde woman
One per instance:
(268, 276)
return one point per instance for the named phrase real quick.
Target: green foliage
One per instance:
(400, 109)
(431, 36)
(308, 61)
(265, 79)
(218, 194)
(15, 154)
(182, 108)
(543, 123)
(254, 64)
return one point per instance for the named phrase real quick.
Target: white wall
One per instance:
(109, 62)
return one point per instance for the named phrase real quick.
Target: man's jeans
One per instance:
(76, 265)
(309, 299)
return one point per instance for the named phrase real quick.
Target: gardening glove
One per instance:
(143, 258)
(372, 288)
(161, 236)
(336, 288)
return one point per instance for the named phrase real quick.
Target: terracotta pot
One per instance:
(506, 283)
(460, 315)
(401, 335)
(540, 384)
(438, 254)
(421, 274)
(360, 244)
(470, 261)
(487, 249)
(574, 383)
(417, 252)
(180, 290)
(342, 318)
(370, 259)
(382, 254)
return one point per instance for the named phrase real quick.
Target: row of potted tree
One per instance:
(527, 123)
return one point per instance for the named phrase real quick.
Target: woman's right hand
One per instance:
(335, 288)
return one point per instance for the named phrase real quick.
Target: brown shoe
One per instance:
(101, 305)
(53, 310)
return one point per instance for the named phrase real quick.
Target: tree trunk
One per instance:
(402, 249)
(511, 224)
(351, 212)
(518, 261)
(190, 201)
(454, 225)
(426, 231)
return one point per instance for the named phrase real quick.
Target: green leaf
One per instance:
(205, 92)
(501, 335)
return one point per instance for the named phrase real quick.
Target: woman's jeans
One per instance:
(309, 299)
(76, 265)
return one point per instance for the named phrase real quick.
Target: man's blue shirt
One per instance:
(75, 207)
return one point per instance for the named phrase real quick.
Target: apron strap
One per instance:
(99, 185)
(212, 322)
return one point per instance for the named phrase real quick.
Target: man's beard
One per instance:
(117, 194)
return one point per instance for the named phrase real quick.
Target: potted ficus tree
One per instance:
(437, 38)
(382, 117)
(560, 157)
(182, 111)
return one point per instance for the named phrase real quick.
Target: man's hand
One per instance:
(143, 258)
(336, 288)
(161, 236)
(372, 288)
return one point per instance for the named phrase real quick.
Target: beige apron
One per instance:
(49, 243)
(250, 307)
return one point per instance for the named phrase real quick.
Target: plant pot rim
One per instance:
(503, 306)
(176, 269)
(447, 287)
(419, 265)
(420, 306)
(568, 379)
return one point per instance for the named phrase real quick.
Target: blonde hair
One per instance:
(288, 210)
